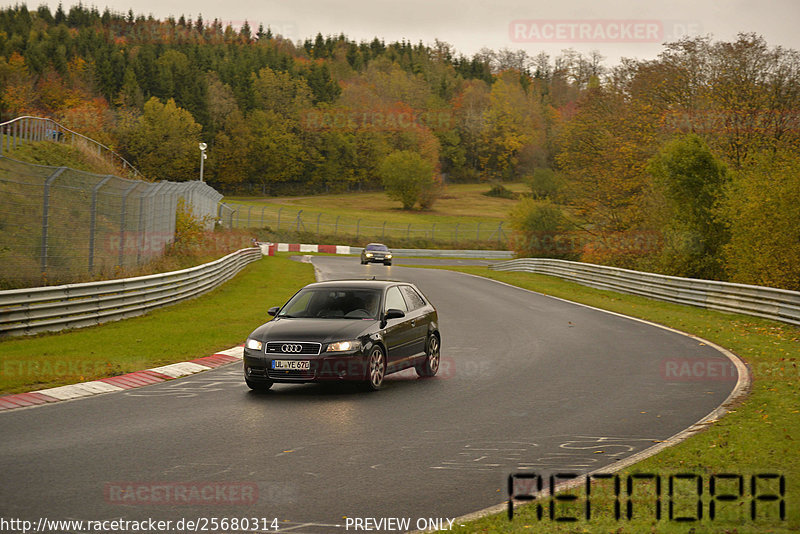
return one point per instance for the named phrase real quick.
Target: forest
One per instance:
(687, 164)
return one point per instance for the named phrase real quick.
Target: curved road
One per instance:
(527, 382)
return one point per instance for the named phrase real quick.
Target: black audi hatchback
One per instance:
(342, 330)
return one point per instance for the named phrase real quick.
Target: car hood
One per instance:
(321, 330)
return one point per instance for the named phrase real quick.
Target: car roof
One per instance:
(356, 284)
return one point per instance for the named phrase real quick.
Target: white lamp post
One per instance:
(203, 148)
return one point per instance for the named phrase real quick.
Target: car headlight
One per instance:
(369, 254)
(254, 344)
(388, 255)
(342, 346)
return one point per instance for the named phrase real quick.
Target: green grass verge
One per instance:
(761, 435)
(462, 218)
(215, 321)
(458, 203)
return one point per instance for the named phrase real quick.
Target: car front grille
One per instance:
(293, 348)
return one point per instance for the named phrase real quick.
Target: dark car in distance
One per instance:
(359, 330)
(376, 252)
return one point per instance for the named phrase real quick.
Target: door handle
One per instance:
(413, 322)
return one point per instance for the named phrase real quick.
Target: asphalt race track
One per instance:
(527, 383)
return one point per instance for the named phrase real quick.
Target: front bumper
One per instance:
(347, 366)
(376, 258)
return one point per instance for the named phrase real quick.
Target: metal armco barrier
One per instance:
(777, 304)
(33, 310)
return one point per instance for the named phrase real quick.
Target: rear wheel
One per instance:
(430, 366)
(259, 386)
(376, 368)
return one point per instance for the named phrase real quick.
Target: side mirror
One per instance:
(394, 313)
(274, 310)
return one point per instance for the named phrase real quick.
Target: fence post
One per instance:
(122, 223)
(408, 232)
(336, 226)
(45, 216)
(93, 220)
(144, 243)
(299, 222)
(279, 218)
(433, 231)
(249, 209)
(262, 216)
(140, 229)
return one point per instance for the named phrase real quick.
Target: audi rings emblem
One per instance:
(286, 347)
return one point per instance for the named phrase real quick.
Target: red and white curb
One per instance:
(121, 382)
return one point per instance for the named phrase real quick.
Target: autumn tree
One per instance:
(162, 142)
(508, 127)
(277, 152)
(280, 93)
(231, 158)
(762, 210)
(540, 229)
(407, 177)
(692, 182)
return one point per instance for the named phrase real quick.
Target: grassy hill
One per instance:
(62, 155)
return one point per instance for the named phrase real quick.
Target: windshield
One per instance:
(377, 247)
(331, 303)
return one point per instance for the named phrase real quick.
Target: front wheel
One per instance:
(430, 366)
(376, 369)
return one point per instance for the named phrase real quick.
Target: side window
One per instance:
(413, 298)
(395, 300)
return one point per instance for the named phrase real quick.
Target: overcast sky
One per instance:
(616, 28)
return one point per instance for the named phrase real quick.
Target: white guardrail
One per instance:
(777, 304)
(40, 309)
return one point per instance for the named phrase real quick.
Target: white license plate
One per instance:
(291, 365)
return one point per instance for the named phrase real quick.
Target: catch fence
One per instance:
(58, 224)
